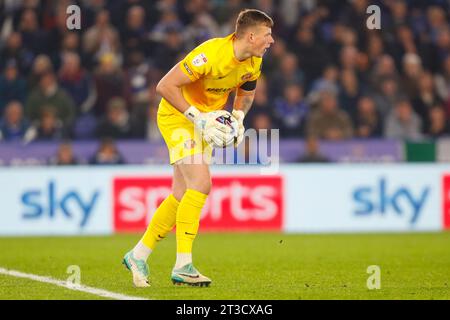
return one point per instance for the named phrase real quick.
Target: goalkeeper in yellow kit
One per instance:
(193, 88)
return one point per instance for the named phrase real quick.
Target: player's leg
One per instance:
(161, 224)
(163, 219)
(198, 185)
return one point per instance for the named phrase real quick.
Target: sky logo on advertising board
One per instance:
(49, 203)
(401, 200)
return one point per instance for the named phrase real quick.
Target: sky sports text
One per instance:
(234, 203)
(384, 198)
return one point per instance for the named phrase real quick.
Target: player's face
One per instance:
(261, 40)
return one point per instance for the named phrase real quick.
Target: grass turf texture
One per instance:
(242, 266)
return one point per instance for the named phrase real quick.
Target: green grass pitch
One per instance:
(269, 266)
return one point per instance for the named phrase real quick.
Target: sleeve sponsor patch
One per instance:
(187, 69)
(199, 60)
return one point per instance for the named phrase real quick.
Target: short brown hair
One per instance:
(250, 18)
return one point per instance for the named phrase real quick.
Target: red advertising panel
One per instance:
(236, 203)
(446, 201)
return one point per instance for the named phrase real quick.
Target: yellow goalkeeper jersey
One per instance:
(215, 72)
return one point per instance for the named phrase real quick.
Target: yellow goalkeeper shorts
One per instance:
(181, 139)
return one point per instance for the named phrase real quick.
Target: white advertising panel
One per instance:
(363, 198)
(310, 198)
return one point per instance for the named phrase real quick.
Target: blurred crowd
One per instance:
(327, 76)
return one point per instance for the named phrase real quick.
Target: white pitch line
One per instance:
(69, 285)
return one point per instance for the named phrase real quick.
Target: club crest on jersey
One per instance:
(199, 60)
(189, 144)
(246, 76)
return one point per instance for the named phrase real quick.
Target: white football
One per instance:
(223, 117)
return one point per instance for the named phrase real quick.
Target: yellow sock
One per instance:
(162, 222)
(188, 219)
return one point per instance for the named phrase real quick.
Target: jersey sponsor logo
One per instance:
(235, 203)
(246, 76)
(188, 69)
(199, 60)
(218, 90)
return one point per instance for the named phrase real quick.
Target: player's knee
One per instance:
(178, 193)
(201, 185)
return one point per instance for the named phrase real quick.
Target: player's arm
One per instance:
(244, 97)
(242, 104)
(169, 87)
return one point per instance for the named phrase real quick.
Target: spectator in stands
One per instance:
(116, 123)
(13, 125)
(310, 52)
(329, 121)
(48, 128)
(442, 80)
(41, 65)
(143, 122)
(384, 68)
(203, 27)
(102, 38)
(368, 123)
(135, 33)
(312, 152)
(402, 122)
(12, 85)
(412, 70)
(55, 22)
(437, 23)
(50, 94)
(168, 21)
(260, 104)
(403, 43)
(327, 82)
(291, 111)
(442, 45)
(439, 125)
(71, 43)
(348, 58)
(77, 82)
(274, 57)
(109, 83)
(64, 155)
(288, 72)
(14, 49)
(139, 76)
(387, 95)
(167, 51)
(261, 121)
(375, 55)
(425, 98)
(34, 38)
(350, 91)
(107, 154)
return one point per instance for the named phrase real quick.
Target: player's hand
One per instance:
(239, 115)
(213, 135)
